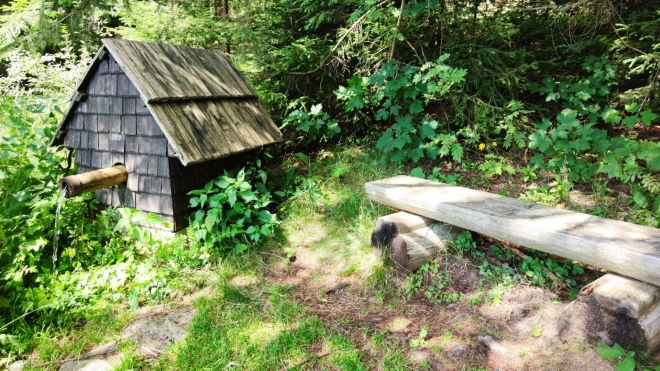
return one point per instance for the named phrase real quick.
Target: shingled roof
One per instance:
(203, 105)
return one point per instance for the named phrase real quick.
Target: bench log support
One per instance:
(411, 240)
(615, 309)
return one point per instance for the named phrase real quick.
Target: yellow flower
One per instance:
(482, 146)
(494, 144)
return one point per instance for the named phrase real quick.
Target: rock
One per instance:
(419, 356)
(456, 352)
(86, 365)
(102, 350)
(156, 332)
(17, 366)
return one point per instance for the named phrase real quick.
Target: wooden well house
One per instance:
(174, 116)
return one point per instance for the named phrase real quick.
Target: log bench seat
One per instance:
(623, 308)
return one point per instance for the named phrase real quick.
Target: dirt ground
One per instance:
(517, 333)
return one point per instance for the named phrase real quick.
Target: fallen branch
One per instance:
(305, 360)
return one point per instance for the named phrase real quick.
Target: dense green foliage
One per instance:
(503, 89)
(231, 209)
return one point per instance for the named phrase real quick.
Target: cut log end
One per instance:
(615, 309)
(410, 241)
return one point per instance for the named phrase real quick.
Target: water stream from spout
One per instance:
(56, 238)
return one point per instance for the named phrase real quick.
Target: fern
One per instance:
(18, 18)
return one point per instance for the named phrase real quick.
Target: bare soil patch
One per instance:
(517, 331)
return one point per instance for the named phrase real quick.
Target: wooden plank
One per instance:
(629, 249)
(220, 83)
(178, 135)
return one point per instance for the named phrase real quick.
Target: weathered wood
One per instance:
(650, 323)
(410, 240)
(166, 71)
(629, 249)
(93, 180)
(204, 130)
(204, 106)
(615, 309)
(624, 295)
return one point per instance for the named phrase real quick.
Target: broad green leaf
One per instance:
(610, 166)
(231, 197)
(568, 119)
(630, 121)
(427, 130)
(240, 247)
(401, 141)
(210, 221)
(302, 157)
(656, 206)
(539, 140)
(648, 117)
(222, 182)
(154, 218)
(639, 197)
(418, 173)
(354, 103)
(266, 216)
(133, 299)
(608, 114)
(416, 107)
(248, 196)
(314, 110)
(628, 364)
(632, 107)
(382, 114)
(615, 351)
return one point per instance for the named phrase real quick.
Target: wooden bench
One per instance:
(623, 309)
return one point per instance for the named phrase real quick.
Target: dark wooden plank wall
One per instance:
(112, 126)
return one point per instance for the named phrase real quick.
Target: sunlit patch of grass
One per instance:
(232, 331)
(263, 332)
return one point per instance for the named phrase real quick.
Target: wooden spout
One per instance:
(93, 180)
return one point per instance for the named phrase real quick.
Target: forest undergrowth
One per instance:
(550, 102)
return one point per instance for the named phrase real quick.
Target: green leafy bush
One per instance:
(399, 95)
(316, 124)
(231, 213)
(577, 146)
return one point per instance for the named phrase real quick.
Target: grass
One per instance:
(262, 312)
